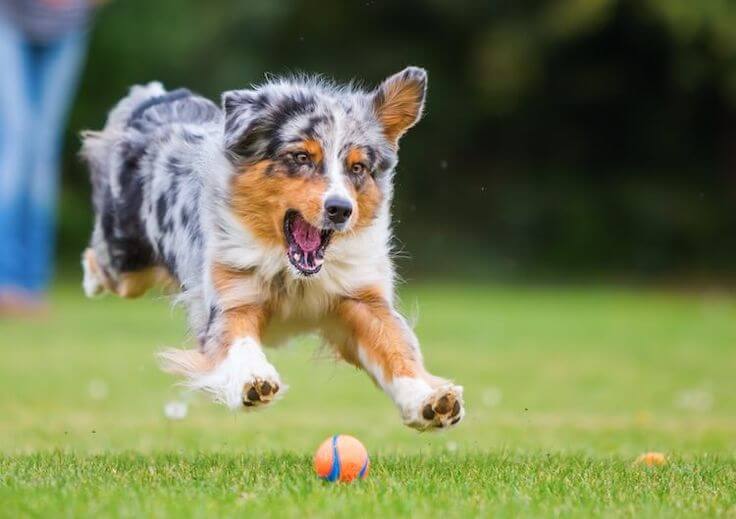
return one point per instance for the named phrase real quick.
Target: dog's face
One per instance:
(314, 161)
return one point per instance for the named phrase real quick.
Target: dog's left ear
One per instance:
(398, 102)
(241, 108)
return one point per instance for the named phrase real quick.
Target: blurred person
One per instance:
(42, 47)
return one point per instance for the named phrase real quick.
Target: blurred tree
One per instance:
(561, 136)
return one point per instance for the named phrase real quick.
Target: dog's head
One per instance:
(314, 161)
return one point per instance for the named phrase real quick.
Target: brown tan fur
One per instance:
(263, 192)
(240, 320)
(130, 285)
(379, 333)
(135, 284)
(398, 107)
(314, 149)
(368, 196)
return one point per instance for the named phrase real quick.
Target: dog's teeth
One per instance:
(298, 256)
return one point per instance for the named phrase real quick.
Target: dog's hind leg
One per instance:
(97, 279)
(135, 284)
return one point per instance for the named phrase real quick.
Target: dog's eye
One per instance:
(302, 158)
(358, 168)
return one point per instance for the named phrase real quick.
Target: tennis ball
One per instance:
(652, 459)
(341, 458)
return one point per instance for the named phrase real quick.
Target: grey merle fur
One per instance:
(157, 200)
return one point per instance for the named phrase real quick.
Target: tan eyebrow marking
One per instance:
(356, 155)
(314, 149)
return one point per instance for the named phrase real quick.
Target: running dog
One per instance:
(270, 215)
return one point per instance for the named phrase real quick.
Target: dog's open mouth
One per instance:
(306, 243)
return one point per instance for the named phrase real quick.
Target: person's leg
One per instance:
(14, 175)
(58, 65)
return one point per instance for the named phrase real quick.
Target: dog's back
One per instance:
(127, 250)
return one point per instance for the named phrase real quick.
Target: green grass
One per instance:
(564, 388)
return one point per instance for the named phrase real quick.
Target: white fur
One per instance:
(411, 394)
(91, 284)
(338, 186)
(245, 362)
(352, 262)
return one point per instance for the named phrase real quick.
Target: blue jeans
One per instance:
(37, 83)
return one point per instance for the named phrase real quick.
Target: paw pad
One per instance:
(443, 409)
(259, 392)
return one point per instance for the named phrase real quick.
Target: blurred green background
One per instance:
(566, 138)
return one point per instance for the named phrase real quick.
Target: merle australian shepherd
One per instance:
(270, 216)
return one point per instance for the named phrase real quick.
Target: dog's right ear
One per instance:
(241, 108)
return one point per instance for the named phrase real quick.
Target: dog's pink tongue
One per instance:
(306, 236)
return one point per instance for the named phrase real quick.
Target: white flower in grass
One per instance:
(98, 389)
(176, 410)
(491, 396)
(694, 400)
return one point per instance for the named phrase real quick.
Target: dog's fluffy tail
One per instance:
(97, 146)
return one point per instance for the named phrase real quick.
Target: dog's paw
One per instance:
(442, 409)
(260, 392)
(244, 379)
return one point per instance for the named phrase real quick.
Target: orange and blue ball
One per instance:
(341, 458)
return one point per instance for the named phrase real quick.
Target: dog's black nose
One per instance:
(338, 209)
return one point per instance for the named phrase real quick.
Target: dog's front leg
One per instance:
(244, 375)
(380, 341)
(230, 364)
(237, 325)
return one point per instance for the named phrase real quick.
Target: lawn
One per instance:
(564, 388)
